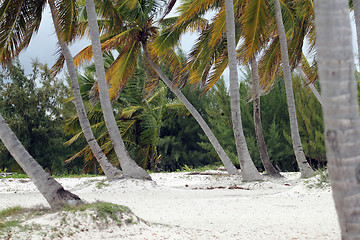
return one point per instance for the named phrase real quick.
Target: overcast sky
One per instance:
(43, 45)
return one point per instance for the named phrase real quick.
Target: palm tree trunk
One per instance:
(356, 5)
(305, 168)
(53, 192)
(128, 165)
(110, 171)
(248, 169)
(311, 85)
(269, 168)
(341, 110)
(214, 142)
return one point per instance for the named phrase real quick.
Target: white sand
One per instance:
(185, 208)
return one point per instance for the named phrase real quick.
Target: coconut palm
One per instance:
(341, 111)
(305, 168)
(209, 58)
(109, 170)
(128, 165)
(249, 170)
(135, 38)
(52, 191)
(269, 168)
(20, 22)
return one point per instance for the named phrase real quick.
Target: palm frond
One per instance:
(218, 28)
(269, 65)
(254, 21)
(67, 19)
(20, 20)
(122, 68)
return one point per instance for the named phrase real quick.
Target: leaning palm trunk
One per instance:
(53, 192)
(356, 5)
(248, 169)
(311, 85)
(128, 165)
(305, 168)
(269, 168)
(341, 111)
(214, 142)
(110, 171)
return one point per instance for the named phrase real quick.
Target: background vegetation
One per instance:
(158, 131)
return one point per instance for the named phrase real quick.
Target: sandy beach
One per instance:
(184, 205)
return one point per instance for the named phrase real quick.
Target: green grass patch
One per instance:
(322, 179)
(102, 210)
(16, 175)
(11, 211)
(102, 184)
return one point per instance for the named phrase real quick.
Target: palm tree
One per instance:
(269, 168)
(20, 21)
(209, 58)
(204, 126)
(128, 165)
(109, 170)
(136, 36)
(305, 168)
(341, 110)
(249, 170)
(53, 192)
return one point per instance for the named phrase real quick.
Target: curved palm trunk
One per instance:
(53, 192)
(128, 165)
(269, 168)
(110, 171)
(356, 5)
(341, 111)
(305, 168)
(248, 169)
(214, 142)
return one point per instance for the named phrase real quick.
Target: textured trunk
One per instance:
(341, 111)
(356, 5)
(305, 168)
(269, 168)
(248, 169)
(110, 171)
(128, 165)
(53, 192)
(311, 85)
(214, 142)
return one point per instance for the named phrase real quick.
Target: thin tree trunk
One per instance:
(341, 111)
(269, 168)
(214, 142)
(311, 85)
(356, 5)
(110, 171)
(53, 192)
(248, 169)
(305, 168)
(128, 165)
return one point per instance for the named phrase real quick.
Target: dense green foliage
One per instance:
(275, 122)
(34, 108)
(158, 131)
